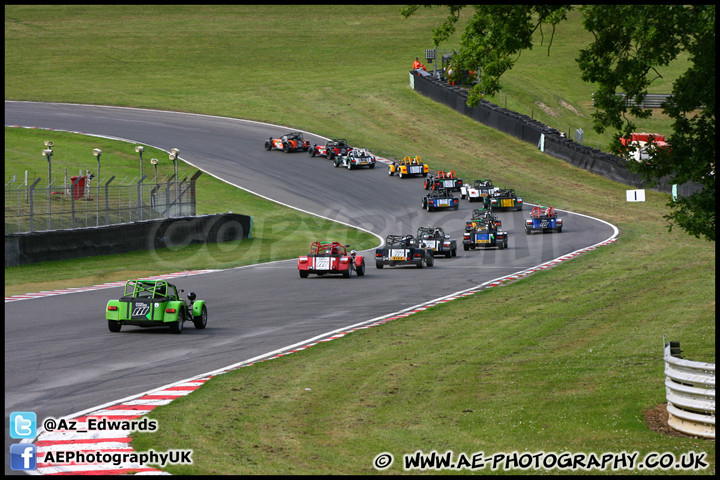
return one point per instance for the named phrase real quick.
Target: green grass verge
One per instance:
(567, 359)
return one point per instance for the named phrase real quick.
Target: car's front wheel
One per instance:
(177, 327)
(114, 326)
(268, 146)
(200, 321)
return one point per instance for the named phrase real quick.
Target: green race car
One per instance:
(155, 303)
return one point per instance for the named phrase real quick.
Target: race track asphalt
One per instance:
(60, 357)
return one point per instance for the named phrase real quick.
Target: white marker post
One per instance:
(635, 195)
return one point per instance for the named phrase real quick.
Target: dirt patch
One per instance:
(546, 109)
(657, 421)
(570, 107)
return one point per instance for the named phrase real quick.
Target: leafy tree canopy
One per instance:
(630, 43)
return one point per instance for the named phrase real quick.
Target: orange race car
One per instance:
(290, 142)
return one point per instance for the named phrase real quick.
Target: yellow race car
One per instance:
(408, 166)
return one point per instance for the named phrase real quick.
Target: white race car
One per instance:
(437, 240)
(478, 190)
(357, 157)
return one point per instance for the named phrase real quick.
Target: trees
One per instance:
(630, 43)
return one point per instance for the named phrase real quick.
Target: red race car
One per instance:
(330, 258)
(290, 142)
(332, 148)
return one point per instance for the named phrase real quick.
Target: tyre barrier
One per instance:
(173, 233)
(690, 392)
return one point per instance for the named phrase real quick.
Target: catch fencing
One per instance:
(83, 201)
(690, 391)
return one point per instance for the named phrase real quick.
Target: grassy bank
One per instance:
(326, 68)
(567, 359)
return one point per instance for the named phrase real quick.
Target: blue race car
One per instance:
(440, 198)
(543, 220)
(485, 235)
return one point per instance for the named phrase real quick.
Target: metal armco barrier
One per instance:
(690, 390)
(534, 132)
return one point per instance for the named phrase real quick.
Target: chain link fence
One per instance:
(83, 201)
